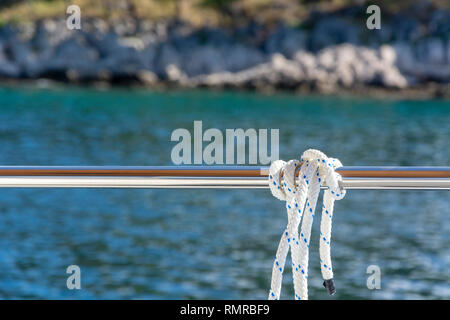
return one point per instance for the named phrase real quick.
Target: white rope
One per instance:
(314, 169)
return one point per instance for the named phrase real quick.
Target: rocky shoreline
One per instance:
(327, 54)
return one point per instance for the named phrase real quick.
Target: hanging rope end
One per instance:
(329, 285)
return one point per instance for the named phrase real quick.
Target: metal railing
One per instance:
(422, 178)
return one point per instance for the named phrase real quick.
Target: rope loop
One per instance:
(327, 167)
(313, 170)
(275, 179)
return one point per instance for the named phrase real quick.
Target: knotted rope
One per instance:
(314, 170)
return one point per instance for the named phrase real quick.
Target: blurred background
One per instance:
(321, 46)
(112, 92)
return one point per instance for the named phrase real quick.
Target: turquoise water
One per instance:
(213, 244)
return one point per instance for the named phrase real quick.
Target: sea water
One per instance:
(214, 244)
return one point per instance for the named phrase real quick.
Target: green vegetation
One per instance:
(197, 12)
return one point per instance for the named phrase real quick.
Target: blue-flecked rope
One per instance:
(314, 169)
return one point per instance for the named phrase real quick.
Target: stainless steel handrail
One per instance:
(424, 178)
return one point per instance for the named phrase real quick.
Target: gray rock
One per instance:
(419, 68)
(289, 71)
(406, 28)
(174, 74)
(8, 69)
(239, 57)
(56, 31)
(308, 63)
(436, 51)
(406, 60)
(167, 55)
(388, 54)
(148, 56)
(147, 77)
(392, 78)
(448, 52)
(125, 56)
(286, 41)
(150, 52)
(332, 31)
(73, 55)
(203, 60)
(19, 51)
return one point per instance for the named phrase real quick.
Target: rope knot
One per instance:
(314, 170)
(327, 167)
